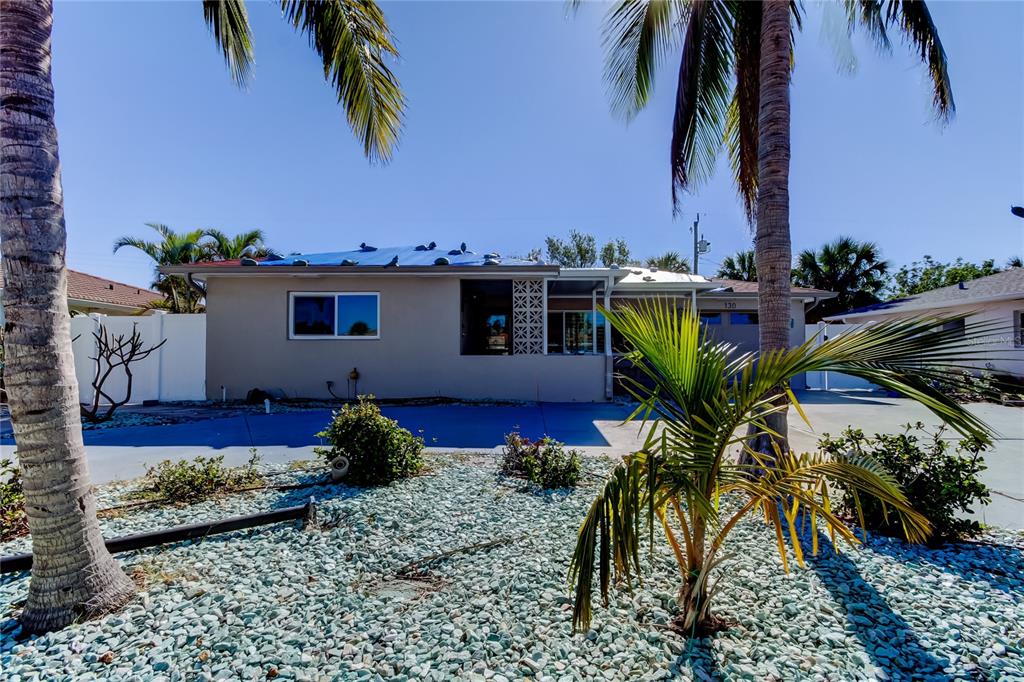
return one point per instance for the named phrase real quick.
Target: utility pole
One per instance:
(700, 245)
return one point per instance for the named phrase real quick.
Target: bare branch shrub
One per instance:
(113, 352)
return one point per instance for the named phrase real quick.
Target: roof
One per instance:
(1005, 285)
(367, 256)
(739, 286)
(90, 288)
(645, 278)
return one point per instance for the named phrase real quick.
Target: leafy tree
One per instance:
(220, 246)
(732, 90)
(580, 251)
(853, 270)
(173, 248)
(701, 396)
(670, 261)
(615, 251)
(1014, 262)
(73, 575)
(928, 274)
(741, 266)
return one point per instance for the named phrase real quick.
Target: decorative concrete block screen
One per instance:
(527, 317)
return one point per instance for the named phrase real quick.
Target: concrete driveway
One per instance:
(595, 428)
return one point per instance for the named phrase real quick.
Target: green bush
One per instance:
(191, 480)
(13, 521)
(378, 449)
(543, 462)
(939, 479)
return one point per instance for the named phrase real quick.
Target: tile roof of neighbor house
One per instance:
(1007, 284)
(740, 286)
(85, 287)
(371, 256)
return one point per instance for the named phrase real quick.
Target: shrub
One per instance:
(967, 386)
(191, 480)
(939, 479)
(379, 451)
(544, 462)
(13, 521)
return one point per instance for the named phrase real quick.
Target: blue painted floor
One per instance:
(452, 426)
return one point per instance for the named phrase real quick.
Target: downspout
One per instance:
(609, 361)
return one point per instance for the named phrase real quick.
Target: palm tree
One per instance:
(853, 270)
(702, 395)
(173, 248)
(243, 245)
(741, 266)
(72, 573)
(670, 261)
(733, 90)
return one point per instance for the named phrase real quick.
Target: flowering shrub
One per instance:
(544, 462)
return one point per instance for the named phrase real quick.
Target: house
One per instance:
(91, 294)
(997, 299)
(422, 321)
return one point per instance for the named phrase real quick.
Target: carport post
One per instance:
(609, 384)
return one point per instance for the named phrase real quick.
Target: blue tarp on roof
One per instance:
(422, 255)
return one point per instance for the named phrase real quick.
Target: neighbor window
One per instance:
(1018, 328)
(334, 315)
(742, 318)
(711, 318)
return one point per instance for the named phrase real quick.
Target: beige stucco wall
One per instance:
(417, 354)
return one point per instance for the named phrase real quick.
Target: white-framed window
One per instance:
(1018, 328)
(334, 315)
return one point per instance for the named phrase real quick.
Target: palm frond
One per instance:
(915, 23)
(703, 95)
(741, 122)
(229, 23)
(637, 36)
(354, 42)
(698, 396)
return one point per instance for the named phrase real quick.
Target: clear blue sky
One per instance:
(509, 138)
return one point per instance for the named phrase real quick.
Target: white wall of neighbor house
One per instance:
(176, 371)
(418, 352)
(1002, 347)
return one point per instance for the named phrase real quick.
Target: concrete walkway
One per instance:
(122, 453)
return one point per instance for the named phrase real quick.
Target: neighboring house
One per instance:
(997, 299)
(91, 294)
(424, 321)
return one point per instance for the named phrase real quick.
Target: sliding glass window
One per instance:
(575, 332)
(334, 315)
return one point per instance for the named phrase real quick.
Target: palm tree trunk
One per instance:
(772, 248)
(73, 575)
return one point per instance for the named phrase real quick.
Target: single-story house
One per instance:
(91, 294)
(424, 321)
(997, 299)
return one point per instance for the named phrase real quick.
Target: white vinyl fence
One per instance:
(832, 380)
(176, 371)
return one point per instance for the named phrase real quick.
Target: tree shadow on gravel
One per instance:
(699, 658)
(1001, 567)
(888, 639)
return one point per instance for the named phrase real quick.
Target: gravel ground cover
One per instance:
(460, 573)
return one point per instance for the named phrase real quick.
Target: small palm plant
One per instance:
(697, 402)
